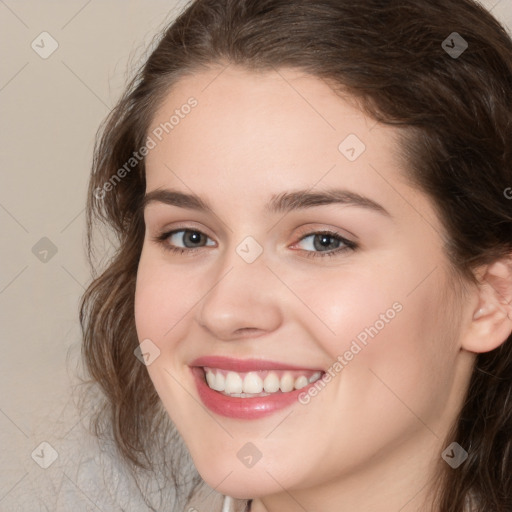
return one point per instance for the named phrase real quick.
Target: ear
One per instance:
(491, 322)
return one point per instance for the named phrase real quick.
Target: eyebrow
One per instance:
(279, 203)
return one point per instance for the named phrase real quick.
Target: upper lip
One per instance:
(244, 365)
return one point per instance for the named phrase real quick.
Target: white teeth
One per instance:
(271, 383)
(233, 383)
(301, 382)
(220, 382)
(210, 378)
(251, 384)
(315, 377)
(287, 383)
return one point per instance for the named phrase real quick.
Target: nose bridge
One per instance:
(242, 295)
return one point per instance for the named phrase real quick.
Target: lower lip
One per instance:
(243, 408)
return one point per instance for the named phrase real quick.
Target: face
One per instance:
(269, 290)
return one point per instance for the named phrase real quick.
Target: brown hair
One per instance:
(388, 54)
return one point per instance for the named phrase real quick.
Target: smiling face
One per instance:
(261, 280)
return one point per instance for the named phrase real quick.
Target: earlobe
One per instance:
(491, 322)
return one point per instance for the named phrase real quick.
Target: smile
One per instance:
(249, 389)
(258, 383)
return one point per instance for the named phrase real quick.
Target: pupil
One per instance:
(194, 236)
(324, 241)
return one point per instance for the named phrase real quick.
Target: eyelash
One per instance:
(348, 244)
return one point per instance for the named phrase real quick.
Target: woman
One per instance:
(313, 277)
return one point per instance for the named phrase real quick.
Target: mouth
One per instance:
(249, 389)
(258, 383)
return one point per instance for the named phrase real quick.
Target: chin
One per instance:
(239, 482)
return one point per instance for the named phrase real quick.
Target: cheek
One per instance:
(150, 317)
(162, 300)
(345, 306)
(383, 334)
(160, 310)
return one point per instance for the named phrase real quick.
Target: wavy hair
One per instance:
(388, 55)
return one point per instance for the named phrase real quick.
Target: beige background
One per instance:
(50, 111)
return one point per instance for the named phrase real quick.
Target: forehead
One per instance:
(256, 116)
(232, 131)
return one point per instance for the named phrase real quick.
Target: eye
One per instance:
(191, 238)
(326, 243)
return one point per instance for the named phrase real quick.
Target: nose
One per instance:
(243, 299)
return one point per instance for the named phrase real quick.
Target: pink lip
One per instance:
(242, 408)
(244, 365)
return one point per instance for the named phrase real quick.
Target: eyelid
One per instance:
(318, 228)
(302, 230)
(184, 226)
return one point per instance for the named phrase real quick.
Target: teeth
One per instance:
(271, 383)
(220, 382)
(253, 383)
(287, 383)
(301, 382)
(211, 379)
(233, 383)
(315, 377)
